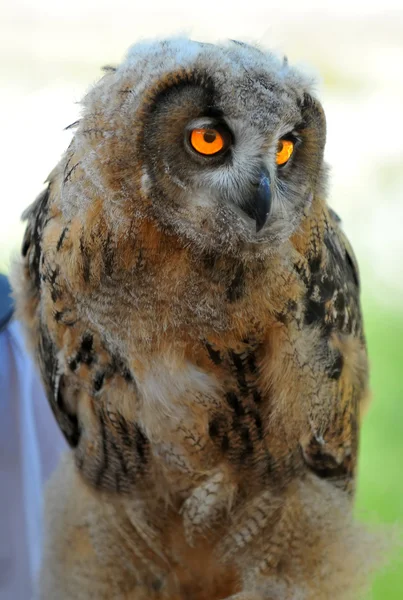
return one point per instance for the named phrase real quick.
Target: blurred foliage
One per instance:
(380, 481)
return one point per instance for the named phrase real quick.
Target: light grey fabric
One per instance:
(30, 447)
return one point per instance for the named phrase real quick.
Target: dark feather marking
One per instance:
(141, 444)
(108, 256)
(122, 462)
(225, 443)
(92, 130)
(315, 312)
(235, 404)
(126, 374)
(214, 355)
(336, 367)
(251, 360)
(104, 458)
(237, 287)
(86, 260)
(87, 342)
(218, 432)
(124, 431)
(257, 397)
(326, 467)
(240, 371)
(54, 275)
(118, 366)
(55, 294)
(67, 421)
(59, 318)
(336, 472)
(99, 381)
(26, 243)
(342, 259)
(326, 287)
(70, 172)
(50, 276)
(209, 260)
(214, 428)
(73, 364)
(353, 270)
(305, 277)
(340, 304)
(39, 213)
(314, 263)
(108, 69)
(323, 464)
(236, 422)
(76, 431)
(61, 238)
(72, 125)
(86, 353)
(259, 424)
(247, 442)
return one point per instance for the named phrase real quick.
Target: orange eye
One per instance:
(284, 150)
(207, 141)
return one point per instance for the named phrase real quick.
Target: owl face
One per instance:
(221, 145)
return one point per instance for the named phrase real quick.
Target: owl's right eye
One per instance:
(208, 141)
(284, 150)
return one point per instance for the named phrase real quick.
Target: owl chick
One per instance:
(194, 308)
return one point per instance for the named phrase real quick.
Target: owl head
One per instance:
(220, 145)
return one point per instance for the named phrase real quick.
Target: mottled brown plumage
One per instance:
(208, 377)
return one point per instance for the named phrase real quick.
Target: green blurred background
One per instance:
(50, 52)
(380, 482)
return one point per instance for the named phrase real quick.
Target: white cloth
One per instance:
(30, 447)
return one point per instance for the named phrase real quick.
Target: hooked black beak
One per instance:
(259, 204)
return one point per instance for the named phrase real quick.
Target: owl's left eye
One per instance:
(208, 141)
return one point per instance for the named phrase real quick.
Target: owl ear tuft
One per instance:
(313, 131)
(314, 116)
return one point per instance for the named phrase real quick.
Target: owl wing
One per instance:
(87, 383)
(38, 216)
(333, 305)
(344, 310)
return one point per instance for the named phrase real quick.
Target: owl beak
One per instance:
(258, 207)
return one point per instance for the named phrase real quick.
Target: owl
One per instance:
(193, 305)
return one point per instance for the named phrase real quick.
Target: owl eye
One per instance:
(207, 141)
(284, 150)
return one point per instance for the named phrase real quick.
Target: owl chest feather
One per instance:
(186, 361)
